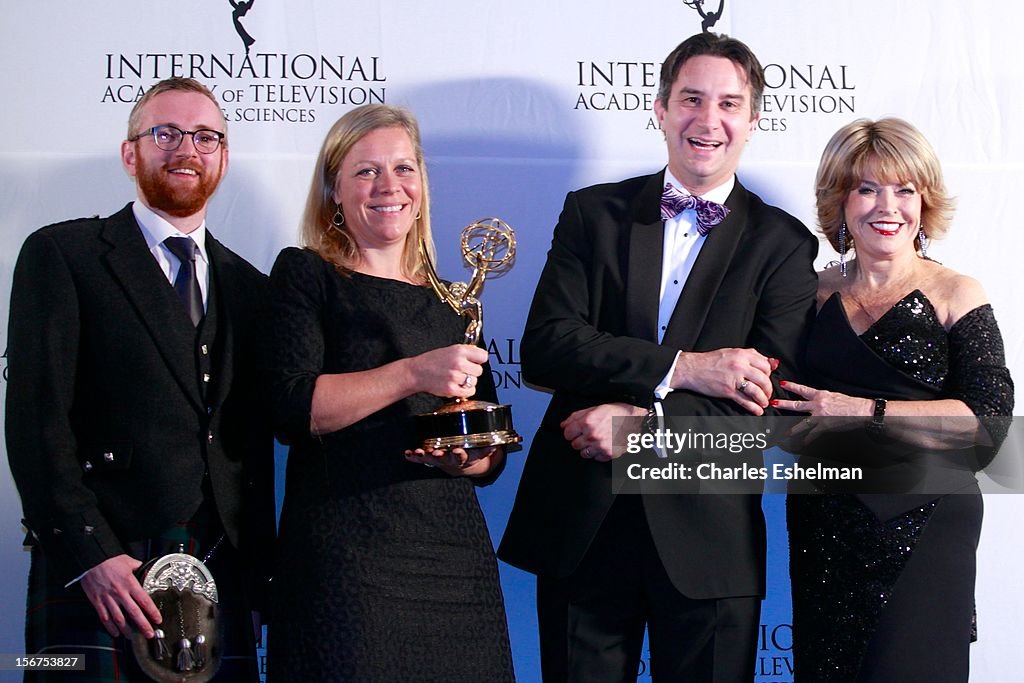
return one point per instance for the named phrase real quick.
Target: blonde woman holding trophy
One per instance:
(386, 569)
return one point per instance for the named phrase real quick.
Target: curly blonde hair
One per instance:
(890, 149)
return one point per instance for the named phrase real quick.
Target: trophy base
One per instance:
(466, 424)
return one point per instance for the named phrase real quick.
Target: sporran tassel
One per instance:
(200, 652)
(185, 659)
(160, 649)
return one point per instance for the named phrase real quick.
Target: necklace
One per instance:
(881, 299)
(864, 308)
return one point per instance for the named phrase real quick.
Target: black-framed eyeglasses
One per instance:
(168, 138)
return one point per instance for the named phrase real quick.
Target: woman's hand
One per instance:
(342, 399)
(839, 412)
(459, 462)
(450, 371)
(822, 403)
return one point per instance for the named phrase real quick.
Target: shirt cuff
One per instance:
(75, 580)
(665, 387)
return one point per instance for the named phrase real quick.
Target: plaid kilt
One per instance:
(61, 620)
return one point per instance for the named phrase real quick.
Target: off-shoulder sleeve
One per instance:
(296, 340)
(978, 375)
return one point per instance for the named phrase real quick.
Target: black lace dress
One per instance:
(883, 584)
(386, 570)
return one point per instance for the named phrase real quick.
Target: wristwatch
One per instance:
(877, 425)
(650, 421)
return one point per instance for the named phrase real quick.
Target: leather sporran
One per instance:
(188, 643)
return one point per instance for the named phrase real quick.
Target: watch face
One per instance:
(877, 420)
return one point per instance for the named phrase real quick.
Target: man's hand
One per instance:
(589, 431)
(117, 596)
(742, 375)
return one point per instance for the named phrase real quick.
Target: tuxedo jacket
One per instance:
(591, 336)
(108, 431)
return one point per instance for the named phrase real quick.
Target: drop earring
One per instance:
(842, 249)
(922, 239)
(339, 218)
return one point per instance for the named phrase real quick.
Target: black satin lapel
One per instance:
(708, 272)
(153, 298)
(646, 244)
(222, 286)
(643, 281)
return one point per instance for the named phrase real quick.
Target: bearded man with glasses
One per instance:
(136, 420)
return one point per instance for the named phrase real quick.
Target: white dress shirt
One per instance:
(156, 229)
(681, 246)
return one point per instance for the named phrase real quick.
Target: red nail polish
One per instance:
(782, 382)
(773, 402)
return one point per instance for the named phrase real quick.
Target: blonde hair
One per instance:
(333, 243)
(891, 149)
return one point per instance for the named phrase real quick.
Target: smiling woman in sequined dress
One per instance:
(883, 580)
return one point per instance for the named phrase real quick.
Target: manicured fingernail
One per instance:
(773, 402)
(783, 382)
(774, 362)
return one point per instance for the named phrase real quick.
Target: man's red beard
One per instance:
(174, 201)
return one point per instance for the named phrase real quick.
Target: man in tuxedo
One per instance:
(137, 421)
(650, 312)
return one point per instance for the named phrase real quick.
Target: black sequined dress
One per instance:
(386, 570)
(883, 584)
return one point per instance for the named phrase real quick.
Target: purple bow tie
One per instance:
(709, 214)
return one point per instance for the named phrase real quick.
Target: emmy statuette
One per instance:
(489, 247)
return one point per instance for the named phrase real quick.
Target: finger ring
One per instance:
(468, 382)
(585, 452)
(743, 385)
(428, 464)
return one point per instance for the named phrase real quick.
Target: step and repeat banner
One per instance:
(520, 103)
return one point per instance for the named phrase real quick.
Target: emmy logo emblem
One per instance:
(709, 18)
(489, 248)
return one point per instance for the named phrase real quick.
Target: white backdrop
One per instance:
(519, 103)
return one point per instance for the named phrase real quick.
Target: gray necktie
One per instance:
(186, 284)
